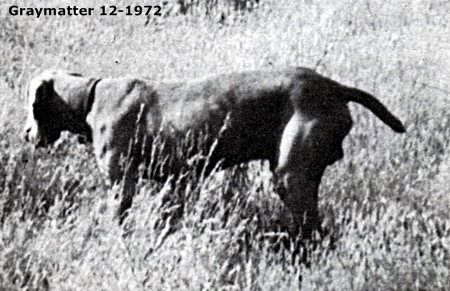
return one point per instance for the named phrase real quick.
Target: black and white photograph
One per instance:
(225, 145)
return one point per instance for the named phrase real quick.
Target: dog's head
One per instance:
(52, 110)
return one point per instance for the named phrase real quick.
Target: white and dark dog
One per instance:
(294, 118)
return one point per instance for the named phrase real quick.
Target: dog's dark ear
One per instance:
(44, 92)
(43, 95)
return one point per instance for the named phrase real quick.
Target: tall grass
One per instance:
(386, 202)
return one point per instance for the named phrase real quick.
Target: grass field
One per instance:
(387, 201)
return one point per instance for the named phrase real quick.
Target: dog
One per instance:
(294, 118)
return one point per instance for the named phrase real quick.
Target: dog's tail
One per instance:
(370, 102)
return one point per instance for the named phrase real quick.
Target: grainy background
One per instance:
(387, 202)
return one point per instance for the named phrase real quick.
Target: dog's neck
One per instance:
(77, 107)
(90, 97)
